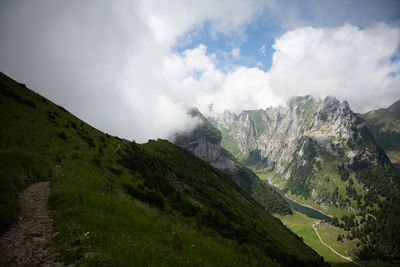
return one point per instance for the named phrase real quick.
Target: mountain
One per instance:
(117, 203)
(322, 154)
(316, 149)
(385, 125)
(312, 148)
(204, 141)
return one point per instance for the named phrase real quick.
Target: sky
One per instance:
(133, 68)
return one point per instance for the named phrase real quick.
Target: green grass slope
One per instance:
(247, 180)
(385, 125)
(302, 225)
(118, 203)
(271, 200)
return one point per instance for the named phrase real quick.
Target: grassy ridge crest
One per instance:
(118, 203)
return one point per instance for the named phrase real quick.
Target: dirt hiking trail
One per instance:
(334, 251)
(28, 241)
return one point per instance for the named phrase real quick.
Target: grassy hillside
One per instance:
(118, 203)
(339, 170)
(260, 191)
(385, 125)
(241, 175)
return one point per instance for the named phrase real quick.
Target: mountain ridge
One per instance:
(204, 141)
(297, 141)
(115, 202)
(384, 123)
(322, 154)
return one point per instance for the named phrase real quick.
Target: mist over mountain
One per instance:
(292, 124)
(204, 141)
(310, 147)
(111, 196)
(121, 65)
(322, 153)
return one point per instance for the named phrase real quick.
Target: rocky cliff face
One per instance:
(205, 142)
(209, 152)
(276, 132)
(314, 146)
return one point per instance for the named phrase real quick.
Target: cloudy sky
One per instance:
(132, 68)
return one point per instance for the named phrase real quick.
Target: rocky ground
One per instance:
(28, 241)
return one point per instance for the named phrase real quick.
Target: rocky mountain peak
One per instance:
(204, 141)
(289, 138)
(298, 100)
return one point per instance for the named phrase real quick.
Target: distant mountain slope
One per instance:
(322, 154)
(118, 203)
(205, 142)
(316, 149)
(385, 125)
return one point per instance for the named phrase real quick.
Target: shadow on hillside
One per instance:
(379, 264)
(396, 166)
(342, 264)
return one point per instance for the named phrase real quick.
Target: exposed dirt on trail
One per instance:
(334, 251)
(28, 241)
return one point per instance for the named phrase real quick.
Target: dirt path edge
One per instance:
(28, 241)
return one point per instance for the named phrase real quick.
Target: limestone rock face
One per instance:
(276, 131)
(209, 152)
(205, 142)
(287, 138)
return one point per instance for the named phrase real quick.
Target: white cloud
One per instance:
(113, 64)
(350, 63)
(110, 63)
(171, 19)
(235, 52)
(262, 49)
(347, 62)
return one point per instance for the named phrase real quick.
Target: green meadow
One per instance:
(118, 203)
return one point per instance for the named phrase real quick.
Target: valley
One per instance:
(110, 196)
(114, 202)
(304, 209)
(305, 218)
(302, 226)
(186, 133)
(321, 155)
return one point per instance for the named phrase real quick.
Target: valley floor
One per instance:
(303, 227)
(307, 229)
(334, 251)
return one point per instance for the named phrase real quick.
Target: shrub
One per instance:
(96, 162)
(151, 197)
(73, 125)
(17, 97)
(88, 140)
(62, 136)
(117, 172)
(61, 108)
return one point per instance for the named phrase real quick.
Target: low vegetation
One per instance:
(384, 124)
(118, 203)
(302, 226)
(245, 178)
